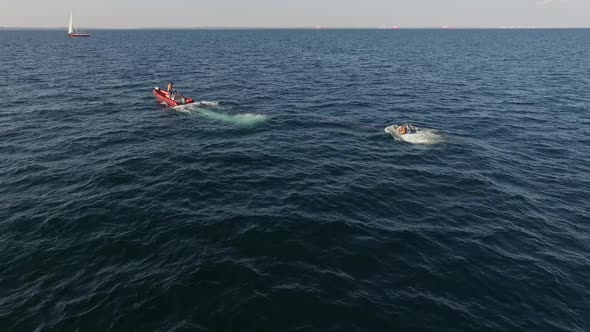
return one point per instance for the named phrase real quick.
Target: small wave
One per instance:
(420, 136)
(183, 108)
(208, 104)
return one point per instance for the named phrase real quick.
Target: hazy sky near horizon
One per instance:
(295, 13)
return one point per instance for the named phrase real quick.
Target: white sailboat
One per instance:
(73, 30)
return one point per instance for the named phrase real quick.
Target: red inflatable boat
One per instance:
(174, 100)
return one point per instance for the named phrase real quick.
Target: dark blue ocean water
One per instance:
(117, 213)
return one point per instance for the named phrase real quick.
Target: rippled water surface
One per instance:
(279, 203)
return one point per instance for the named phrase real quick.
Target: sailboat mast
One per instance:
(73, 29)
(71, 26)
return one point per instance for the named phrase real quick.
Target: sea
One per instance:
(282, 199)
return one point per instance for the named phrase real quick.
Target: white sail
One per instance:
(71, 27)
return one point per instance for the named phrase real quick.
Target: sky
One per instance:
(295, 13)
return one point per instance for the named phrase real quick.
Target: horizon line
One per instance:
(306, 27)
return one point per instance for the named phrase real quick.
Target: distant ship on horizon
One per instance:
(73, 29)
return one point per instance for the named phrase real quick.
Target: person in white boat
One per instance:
(405, 129)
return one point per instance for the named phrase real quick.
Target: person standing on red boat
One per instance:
(170, 90)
